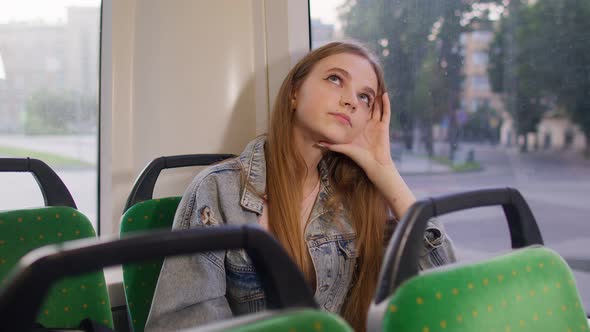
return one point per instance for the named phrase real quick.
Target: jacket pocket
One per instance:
(335, 260)
(347, 248)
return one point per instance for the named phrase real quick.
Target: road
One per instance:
(555, 184)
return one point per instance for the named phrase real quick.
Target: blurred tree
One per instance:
(568, 57)
(51, 113)
(429, 95)
(450, 60)
(541, 54)
(397, 32)
(410, 37)
(482, 126)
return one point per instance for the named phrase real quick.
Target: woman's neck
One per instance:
(312, 155)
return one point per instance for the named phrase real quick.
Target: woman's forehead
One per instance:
(358, 67)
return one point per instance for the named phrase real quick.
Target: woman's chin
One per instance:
(335, 138)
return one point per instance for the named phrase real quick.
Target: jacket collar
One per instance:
(253, 163)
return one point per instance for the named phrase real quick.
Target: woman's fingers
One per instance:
(386, 108)
(350, 150)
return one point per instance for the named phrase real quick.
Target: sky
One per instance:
(54, 10)
(50, 11)
(326, 11)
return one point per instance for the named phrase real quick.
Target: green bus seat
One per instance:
(529, 289)
(290, 302)
(21, 231)
(74, 299)
(140, 278)
(303, 320)
(143, 213)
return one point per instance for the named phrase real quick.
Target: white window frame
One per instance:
(287, 39)
(105, 184)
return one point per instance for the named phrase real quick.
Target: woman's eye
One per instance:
(366, 99)
(334, 79)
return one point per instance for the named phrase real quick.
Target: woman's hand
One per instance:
(372, 152)
(371, 149)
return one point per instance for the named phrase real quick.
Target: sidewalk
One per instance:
(84, 148)
(411, 164)
(81, 147)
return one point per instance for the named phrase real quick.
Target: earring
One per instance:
(293, 104)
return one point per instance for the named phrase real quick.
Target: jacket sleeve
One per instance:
(438, 247)
(191, 289)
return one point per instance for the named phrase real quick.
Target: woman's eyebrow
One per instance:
(347, 75)
(340, 70)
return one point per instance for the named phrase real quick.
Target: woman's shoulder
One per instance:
(226, 176)
(253, 150)
(218, 172)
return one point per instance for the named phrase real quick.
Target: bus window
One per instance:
(485, 94)
(49, 59)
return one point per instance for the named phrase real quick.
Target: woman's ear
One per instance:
(294, 101)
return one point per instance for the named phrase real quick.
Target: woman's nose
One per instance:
(348, 102)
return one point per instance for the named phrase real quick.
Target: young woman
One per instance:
(322, 182)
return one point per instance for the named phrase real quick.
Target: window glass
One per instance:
(485, 94)
(49, 63)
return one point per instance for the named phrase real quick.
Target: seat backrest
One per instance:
(140, 279)
(143, 213)
(290, 302)
(22, 231)
(528, 289)
(304, 320)
(73, 299)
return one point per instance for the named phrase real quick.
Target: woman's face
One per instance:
(334, 102)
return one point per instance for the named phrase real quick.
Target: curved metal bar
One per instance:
(54, 191)
(143, 189)
(402, 254)
(20, 300)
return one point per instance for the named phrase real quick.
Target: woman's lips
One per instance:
(342, 118)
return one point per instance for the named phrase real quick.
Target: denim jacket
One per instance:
(210, 286)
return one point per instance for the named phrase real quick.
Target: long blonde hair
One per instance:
(286, 169)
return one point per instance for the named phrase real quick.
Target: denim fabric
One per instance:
(210, 286)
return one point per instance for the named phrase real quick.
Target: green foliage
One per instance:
(461, 167)
(418, 42)
(51, 113)
(540, 59)
(482, 125)
(396, 31)
(55, 160)
(497, 58)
